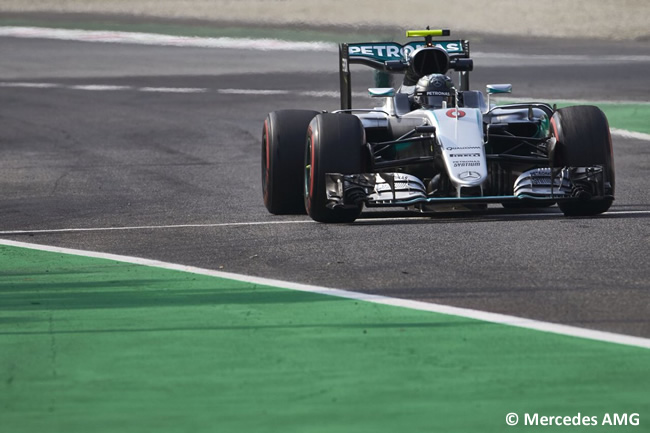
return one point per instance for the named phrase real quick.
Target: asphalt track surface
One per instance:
(90, 159)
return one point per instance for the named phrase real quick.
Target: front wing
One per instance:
(404, 190)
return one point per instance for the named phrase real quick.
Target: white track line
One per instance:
(307, 221)
(245, 92)
(115, 37)
(563, 58)
(31, 85)
(173, 89)
(376, 299)
(630, 134)
(272, 92)
(98, 87)
(275, 92)
(170, 226)
(252, 92)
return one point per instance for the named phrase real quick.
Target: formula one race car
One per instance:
(433, 146)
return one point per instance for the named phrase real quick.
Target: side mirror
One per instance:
(381, 92)
(394, 65)
(495, 89)
(462, 65)
(498, 88)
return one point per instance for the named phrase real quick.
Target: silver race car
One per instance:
(432, 145)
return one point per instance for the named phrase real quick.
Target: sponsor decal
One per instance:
(378, 51)
(469, 175)
(462, 148)
(465, 155)
(455, 114)
(459, 164)
(395, 51)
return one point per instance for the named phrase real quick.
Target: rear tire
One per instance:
(584, 140)
(334, 145)
(283, 155)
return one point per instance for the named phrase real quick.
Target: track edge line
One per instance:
(502, 319)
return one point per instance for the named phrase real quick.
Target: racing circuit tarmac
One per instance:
(116, 140)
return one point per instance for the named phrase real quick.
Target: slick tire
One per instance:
(334, 145)
(584, 140)
(283, 155)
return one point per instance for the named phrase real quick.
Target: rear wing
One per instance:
(392, 57)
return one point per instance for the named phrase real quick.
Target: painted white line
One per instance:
(321, 93)
(173, 89)
(164, 40)
(625, 212)
(252, 92)
(308, 93)
(276, 45)
(99, 87)
(170, 226)
(427, 217)
(376, 299)
(31, 85)
(630, 134)
(563, 58)
(330, 94)
(312, 93)
(361, 220)
(272, 92)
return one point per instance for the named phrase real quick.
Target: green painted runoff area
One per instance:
(628, 116)
(631, 117)
(95, 345)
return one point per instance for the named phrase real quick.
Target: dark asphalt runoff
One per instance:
(73, 158)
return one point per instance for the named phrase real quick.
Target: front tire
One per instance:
(283, 154)
(584, 140)
(334, 145)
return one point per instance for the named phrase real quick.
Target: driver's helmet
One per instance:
(432, 90)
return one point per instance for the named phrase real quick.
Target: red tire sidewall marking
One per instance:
(554, 126)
